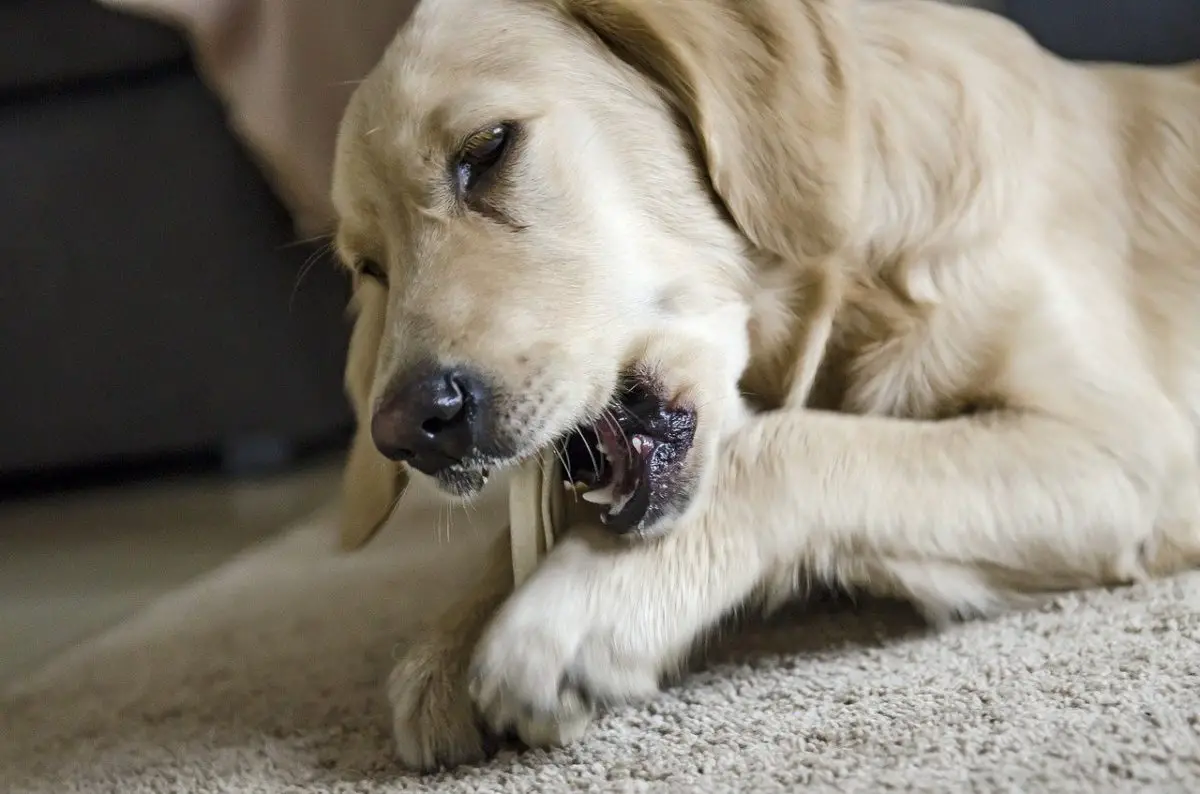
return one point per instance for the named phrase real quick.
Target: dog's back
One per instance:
(1159, 126)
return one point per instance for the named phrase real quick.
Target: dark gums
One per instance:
(672, 430)
(663, 485)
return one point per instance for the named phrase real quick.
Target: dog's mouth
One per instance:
(631, 461)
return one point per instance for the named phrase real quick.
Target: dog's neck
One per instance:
(922, 206)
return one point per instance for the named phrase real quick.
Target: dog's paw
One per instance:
(549, 659)
(434, 722)
(523, 682)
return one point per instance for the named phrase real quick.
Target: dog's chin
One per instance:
(461, 482)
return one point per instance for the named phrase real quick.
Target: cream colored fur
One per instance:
(942, 326)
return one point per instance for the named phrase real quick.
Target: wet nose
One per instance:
(430, 418)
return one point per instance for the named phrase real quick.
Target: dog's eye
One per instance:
(482, 151)
(369, 268)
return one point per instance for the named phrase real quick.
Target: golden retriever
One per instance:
(872, 294)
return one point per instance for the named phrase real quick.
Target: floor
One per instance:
(75, 563)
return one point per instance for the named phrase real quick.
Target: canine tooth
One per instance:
(638, 442)
(601, 496)
(619, 506)
(603, 450)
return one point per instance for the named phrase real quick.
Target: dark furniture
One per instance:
(151, 301)
(1137, 31)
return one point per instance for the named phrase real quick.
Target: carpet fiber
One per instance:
(267, 675)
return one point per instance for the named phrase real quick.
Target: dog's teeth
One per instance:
(601, 496)
(638, 442)
(603, 450)
(616, 509)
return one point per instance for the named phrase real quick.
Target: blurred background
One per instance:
(172, 329)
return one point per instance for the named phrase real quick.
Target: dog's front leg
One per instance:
(959, 516)
(434, 721)
(602, 619)
(962, 516)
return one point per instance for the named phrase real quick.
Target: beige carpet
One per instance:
(266, 677)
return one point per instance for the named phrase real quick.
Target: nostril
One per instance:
(449, 407)
(437, 425)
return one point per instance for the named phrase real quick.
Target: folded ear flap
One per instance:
(371, 484)
(768, 87)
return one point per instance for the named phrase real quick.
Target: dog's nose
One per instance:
(429, 418)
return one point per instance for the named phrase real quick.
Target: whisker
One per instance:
(566, 478)
(316, 238)
(448, 511)
(470, 510)
(391, 511)
(309, 263)
(562, 458)
(613, 418)
(592, 457)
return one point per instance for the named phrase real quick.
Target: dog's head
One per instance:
(545, 202)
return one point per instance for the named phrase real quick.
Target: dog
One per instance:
(877, 295)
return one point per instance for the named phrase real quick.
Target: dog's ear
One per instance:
(371, 484)
(769, 89)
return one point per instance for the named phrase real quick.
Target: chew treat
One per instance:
(536, 512)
